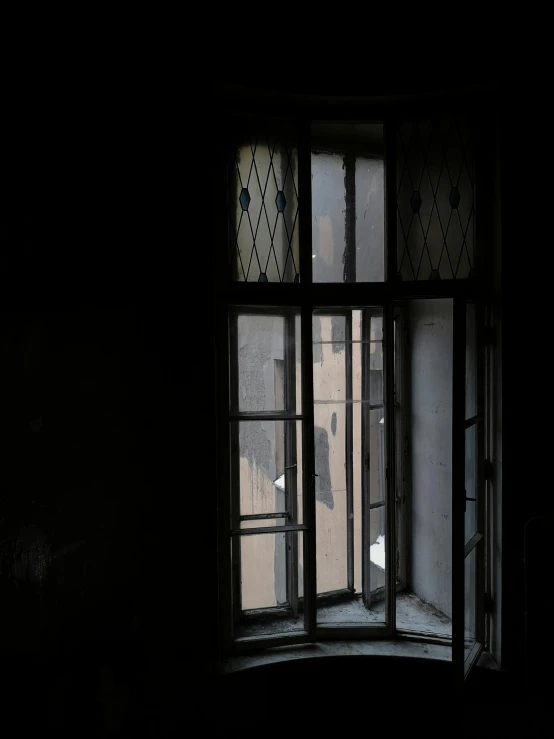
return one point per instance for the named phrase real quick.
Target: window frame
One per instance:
(309, 296)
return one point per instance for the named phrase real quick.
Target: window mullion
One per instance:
(350, 218)
(234, 465)
(458, 490)
(366, 461)
(291, 462)
(481, 484)
(308, 452)
(349, 439)
(390, 467)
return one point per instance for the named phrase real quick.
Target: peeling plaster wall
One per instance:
(430, 338)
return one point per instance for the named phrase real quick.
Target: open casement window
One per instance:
(468, 487)
(266, 441)
(352, 393)
(350, 466)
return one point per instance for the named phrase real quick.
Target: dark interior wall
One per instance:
(107, 526)
(103, 346)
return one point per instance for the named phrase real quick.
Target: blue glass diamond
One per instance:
(435, 275)
(415, 201)
(280, 201)
(262, 277)
(454, 198)
(244, 198)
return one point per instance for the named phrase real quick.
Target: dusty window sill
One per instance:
(378, 648)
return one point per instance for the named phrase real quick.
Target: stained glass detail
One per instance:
(454, 197)
(244, 198)
(415, 201)
(435, 201)
(263, 205)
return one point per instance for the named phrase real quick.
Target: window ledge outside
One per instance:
(377, 648)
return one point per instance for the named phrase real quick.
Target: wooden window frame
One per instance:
(307, 297)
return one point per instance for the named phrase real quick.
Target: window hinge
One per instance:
(489, 470)
(489, 603)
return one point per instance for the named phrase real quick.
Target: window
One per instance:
(351, 485)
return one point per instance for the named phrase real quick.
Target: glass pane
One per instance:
(262, 474)
(375, 372)
(265, 561)
(340, 590)
(328, 221)
(370, 220)
(262, 357)
(298, 362)
(377, 532)
(330, 491)
(435, 223)
(376, 456)
(470, 613)
(471, 481)
(263, 208)
(329, 358)
(471, 361)
(376, 328)
(347, 203)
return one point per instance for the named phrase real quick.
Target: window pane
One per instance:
(470, 613)
(347, 203)
(471, 362)
(376, 328)
(328, 227)
(338, 370)
(262, 474)
(471, 487)
(370, 220)
(375, 455)
(266, 584)
(329, 358)
(263, 207)
(330, 491)
(435, 213)
(262, 359)
(377, 540)
(375, 372)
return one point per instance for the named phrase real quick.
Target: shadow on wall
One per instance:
(323, 491)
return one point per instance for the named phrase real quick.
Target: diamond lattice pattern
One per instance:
(435, 201)
(263, 209)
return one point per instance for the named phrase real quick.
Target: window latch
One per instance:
(465, 501)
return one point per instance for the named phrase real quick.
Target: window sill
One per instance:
(377, 648)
